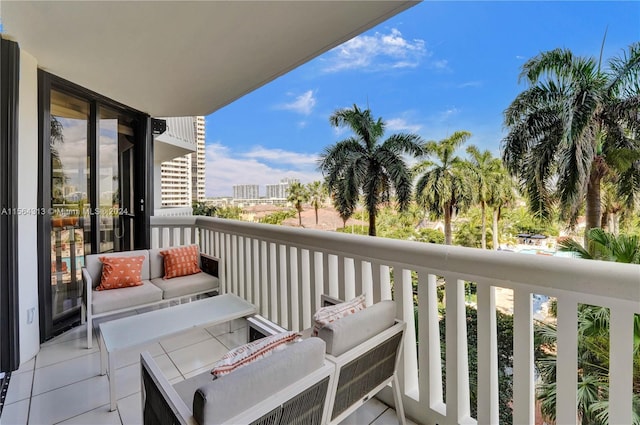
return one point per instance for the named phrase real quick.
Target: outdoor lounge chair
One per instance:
(288, 387)
(365, 347)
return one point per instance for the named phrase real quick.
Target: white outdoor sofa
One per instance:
(290, 386)
(154, 289)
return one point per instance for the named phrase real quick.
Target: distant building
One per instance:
(246, 191)
(280, 190)
(182, 179)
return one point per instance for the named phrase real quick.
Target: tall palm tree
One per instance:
(298, 195)
(501, 194)
(317, 194)
(364, 164)
(442, 187)
(605, 246)
(574, 124)
(484, 170)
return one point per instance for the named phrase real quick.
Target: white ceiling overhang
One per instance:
(178, 58)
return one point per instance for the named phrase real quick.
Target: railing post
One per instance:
(488, 406)
(621, 370)
(523, 384)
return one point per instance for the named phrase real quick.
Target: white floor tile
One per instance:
(366, 414)
(184, 339)
(198, 371)
(28, 366)
(127, 381)
(56, 353)
(19, 387)
(234, 339)
(219, 329)
(70, 401)
(64, 373)
(167, 367)
(132, 356)
(99, 416)
(75, 333)
(197, 355)
(130, 409)
(15, 414)
(389, 417)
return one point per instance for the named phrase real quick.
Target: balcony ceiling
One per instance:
(183, 58)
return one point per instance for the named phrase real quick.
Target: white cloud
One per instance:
(226, 168)
(401, 124)
(470, 84)
(440, 65)
(376, 52)
(303, 104)
(520, 57)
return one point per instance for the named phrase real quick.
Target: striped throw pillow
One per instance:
(248, 353)
(120, 272)
(181, 261)
(328, 314)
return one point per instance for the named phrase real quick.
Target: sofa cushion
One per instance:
(156, 263)
(116, 299)
(252, 352)
(186, 285)
(217, 401)
(344, 334)
(326, 315)
(181, 261)
(120, 272)
(94, 265)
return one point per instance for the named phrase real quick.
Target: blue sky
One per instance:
(434, 69)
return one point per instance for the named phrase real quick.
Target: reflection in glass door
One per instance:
(114, 215)
(70, 182)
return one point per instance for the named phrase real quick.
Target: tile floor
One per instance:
(62, 385)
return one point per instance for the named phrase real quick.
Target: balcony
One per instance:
(284, 270)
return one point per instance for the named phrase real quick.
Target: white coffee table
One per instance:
(132, 331)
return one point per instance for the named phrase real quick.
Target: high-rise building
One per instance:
(246, 191)
(280, 190)
(198, 159)
(182, 179)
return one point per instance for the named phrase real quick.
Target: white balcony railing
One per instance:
(283, 271)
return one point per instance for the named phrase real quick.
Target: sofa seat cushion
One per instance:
(344, 334)
(116, 299)
(186, 285)
(216, 401)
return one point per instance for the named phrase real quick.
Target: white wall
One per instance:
(27, 199)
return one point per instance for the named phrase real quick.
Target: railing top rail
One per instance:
(606, 279)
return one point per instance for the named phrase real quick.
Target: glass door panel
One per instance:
(70, 183)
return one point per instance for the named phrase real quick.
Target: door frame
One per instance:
(143, 185)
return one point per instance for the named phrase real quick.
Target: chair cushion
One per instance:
(116, 299)
(181, 261)
(326, 315)
(227, 396)
(344, 334)
(251, 352)
(186, 285)
(121, 272)
(94, 265)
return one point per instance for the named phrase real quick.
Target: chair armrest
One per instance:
(88, 287)
(159, 394)
(209, 264)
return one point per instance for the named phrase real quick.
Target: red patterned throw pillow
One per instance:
(120, 272)
(248, 353)
(181, 261)
(328, 314)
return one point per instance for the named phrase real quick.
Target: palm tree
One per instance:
(574, 124)
(442, 188)
(501, 193)
(363, 164)
(298, 195)
(605, 246)
(317, 194)
(484, 170)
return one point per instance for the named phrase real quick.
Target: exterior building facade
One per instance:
(198, 162)
(246, 191)
(280, 190)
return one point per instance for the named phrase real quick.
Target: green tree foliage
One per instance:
(364, 164)
(278, 217)
(200, 208)
(504, 324)
(485, 174)
(317, 194)
(443, 186)
(298, 196)
(232, 213)
(575, 124)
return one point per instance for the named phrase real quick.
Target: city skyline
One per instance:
(434, 69)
